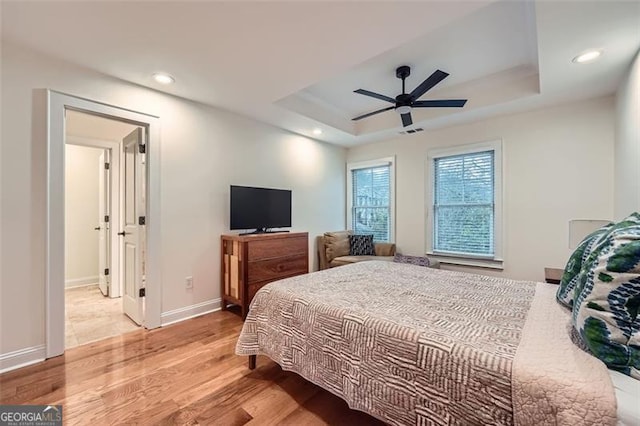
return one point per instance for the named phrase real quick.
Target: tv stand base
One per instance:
(262, 231)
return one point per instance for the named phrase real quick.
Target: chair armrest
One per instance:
(322, 253)
(385, 249)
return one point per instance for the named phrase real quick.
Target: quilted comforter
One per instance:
(412, 345)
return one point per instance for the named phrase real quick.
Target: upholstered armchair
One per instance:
(333, 250)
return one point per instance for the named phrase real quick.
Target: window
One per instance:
(370, 198)
(465, 219)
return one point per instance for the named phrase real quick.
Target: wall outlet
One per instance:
(188, 282)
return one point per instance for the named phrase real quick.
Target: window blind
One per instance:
(464, 204)
(370, 210)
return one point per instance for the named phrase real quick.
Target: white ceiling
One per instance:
(295, 64)
(491, 55)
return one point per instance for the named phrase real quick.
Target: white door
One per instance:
(132, 234)
(103, 228)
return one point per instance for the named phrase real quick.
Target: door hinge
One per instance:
(142, 148)
(142, 220)
(106, 166)
(106, 271)
(106, 218)
(142, 292)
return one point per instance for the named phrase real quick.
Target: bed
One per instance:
(413, 345)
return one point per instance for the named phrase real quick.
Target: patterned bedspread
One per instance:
(406, 344)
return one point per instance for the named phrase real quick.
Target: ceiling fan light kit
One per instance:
(405, 102)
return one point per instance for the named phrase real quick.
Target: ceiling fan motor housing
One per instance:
(404, 99)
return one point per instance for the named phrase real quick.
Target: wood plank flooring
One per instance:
(184, 374)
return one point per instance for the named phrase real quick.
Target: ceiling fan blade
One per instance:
(372, 113)
(375, 95)
(426, 85)
(406, 119)
(442, 103)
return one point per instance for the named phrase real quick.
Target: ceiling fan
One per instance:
(404, 102)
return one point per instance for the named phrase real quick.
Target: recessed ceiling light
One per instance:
(163, 78)
(317, 131)
(588, 56)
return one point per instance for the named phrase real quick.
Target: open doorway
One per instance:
(143, 286)
(103, 253)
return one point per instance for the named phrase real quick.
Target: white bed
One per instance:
(628, 398)
(409, 345)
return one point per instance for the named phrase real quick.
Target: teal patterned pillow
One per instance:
(566, 291)
(607, 302)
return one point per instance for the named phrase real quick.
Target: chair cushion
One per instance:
(566, 291)
(336, 244)
(361, 245)
(347, 260)
(607, 301)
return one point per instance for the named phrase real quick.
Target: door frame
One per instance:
(57, 104)
(114, 196)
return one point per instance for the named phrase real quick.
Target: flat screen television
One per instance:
(260, 208)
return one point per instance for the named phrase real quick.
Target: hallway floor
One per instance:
(89, 316)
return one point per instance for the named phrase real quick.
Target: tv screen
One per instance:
(260, 208)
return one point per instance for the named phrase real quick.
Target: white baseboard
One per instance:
(81, 282)
(188, 312)
(21, 358)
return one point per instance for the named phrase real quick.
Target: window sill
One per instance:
(468, 261)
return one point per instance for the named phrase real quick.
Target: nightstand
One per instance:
(553, 275)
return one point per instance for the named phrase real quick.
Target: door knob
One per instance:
(123, 233)
(97, 228)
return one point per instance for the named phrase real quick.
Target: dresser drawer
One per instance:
(277, 247)
(253, 289)
(273, 269)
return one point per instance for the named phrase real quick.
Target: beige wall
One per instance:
(204, 150)
(81, 215)
(558, 165)
(627, 146)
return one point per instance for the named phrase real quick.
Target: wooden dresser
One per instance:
(251, 261)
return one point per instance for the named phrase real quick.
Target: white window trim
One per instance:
(386, 161)
(497, 261)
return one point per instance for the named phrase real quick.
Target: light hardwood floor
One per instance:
(89, 316)
(184, 374)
